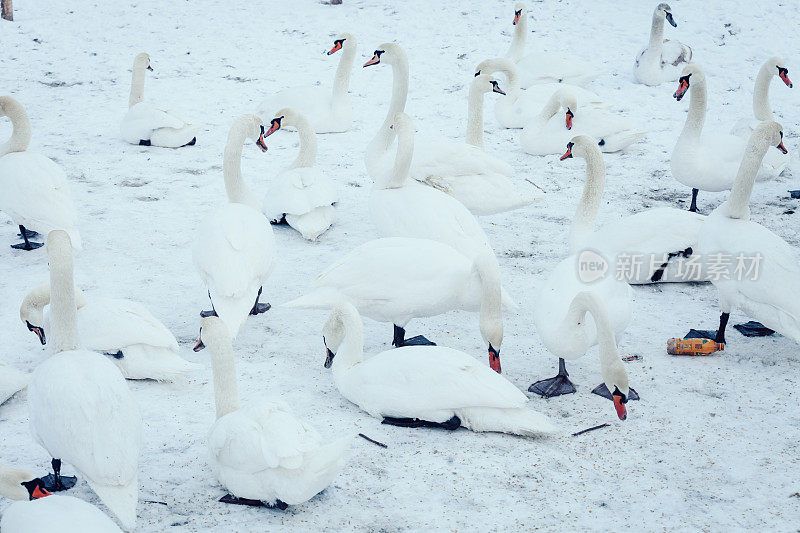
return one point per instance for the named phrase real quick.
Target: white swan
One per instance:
(520, 106)
(650, 246)
(80, 408)
(550, 131)
(403, 208)
(709, 162)
(464, 170)
(261, 451)
(767, 285)
(543, 67)
(147, 123)
(11, 382)
(378, 158)
(774, 66)
(397, 279)
(663, 59)
(429, 386)
(234, 249)
(138, 343)
(37, 511)
(34, 190)
(301, 195)
(328, 110)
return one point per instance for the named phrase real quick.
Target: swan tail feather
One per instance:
(320, 298)
(515, 420)
(121, 500)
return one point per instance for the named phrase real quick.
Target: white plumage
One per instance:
(11, 382)
(64, 514)
(662, 60)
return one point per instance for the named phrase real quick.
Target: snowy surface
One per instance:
(712, 445)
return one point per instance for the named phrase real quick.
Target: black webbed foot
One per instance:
(58, 484)
(753, 329)
(27, 245)
(419, 340)
(281, 222)
(28, 233)
(555, 386)
(144, 142)
(450, 425)
(206, 314)
(191, 143)
(602, 390)
(260, 308)
(230, 498)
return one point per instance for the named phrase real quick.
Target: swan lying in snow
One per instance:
(301, 195)
(261, 452)
(397, 279)
(328, 110)
(34, 190)
(663, 59)
(37, 511)
(11, 382)
(147, 123)
(139, 344)
(80, 408)
(430, 386)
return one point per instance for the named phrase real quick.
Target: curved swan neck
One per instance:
(586, 214)
(491, 313)
(308, 142)
(11, 483)
(21, 134)
(657, 32)
(385, 136)
(237, 190)
(698, 97)
(550, 108)
(475, 114)
(761, 108)
(341, 81)
(63, 311)
(223, 367)
(351, 350)
(588, 302)
(739, 200)
(137, 83)
(517, 48)
(405, 152)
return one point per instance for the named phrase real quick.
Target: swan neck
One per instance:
(550, 108)
(739, 200)
(761, 107)
(402, 162)
(21, 134)
(351, 350)
(656, 32)
(696, 118)
(385, 135)
(586, 214)
(475, 116)
(517, 48)
(226, 388)
(491, 313)
(588, 302)
(341, 81)
(237, 190)
(63, 311)
(137, 85)
(308, 143)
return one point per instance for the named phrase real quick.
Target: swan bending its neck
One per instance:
(586, 214)
(694, 77)
(214, 334)
(237, 190)
(490, 320)
(404, 129)
(517, 47)
(480, 85)
(773, 66)
(344, 337)
(140, 64)
(63, 311)
(341, 81)
(765, 135)
(307, 155)
(21, 134)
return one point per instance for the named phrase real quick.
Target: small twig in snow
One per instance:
(589, 429)
(382, 445)
(152, 501)
(532, 183)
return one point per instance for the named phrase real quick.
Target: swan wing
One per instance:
(11, 382)
(106, 324)
(440, 157)
(298, 191)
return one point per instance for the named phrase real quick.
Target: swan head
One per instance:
(568, 102)
(21, 485)
(496, 64)
(31, 312)
(253, 128)
(333, 333)
(486, 84)
(388, 53)
(691, 72)
(581, 146)
(284, 117)
(341, 41)
(213, 334)
(519, 12)
(771, 133)
(142, 62)
(780, 70)
(665, 11)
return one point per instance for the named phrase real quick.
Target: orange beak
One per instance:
(374, 61)
(516, 17)
(682, 88)
(494, 359)
(619, 405)
(199, 346)
(570, 116)
(784, 75)
(261, 144)
(275, 125)
(780, 147)
(337, 45)
(39, 492)
(568, 153)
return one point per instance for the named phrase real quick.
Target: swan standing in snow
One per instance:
(768, 294)
(660, 239)
(520, 106)
(424, 386)
(234, 249)
(80, 408)
(37, 511)
(542, 67)
(149, 124)
(302, 195)
(261, 452)
(378, 158)
(400, 208)
(34, 190)
(328, 110)
(663, 59)
(138, 343)
(464, 170)
(397, 279)
(709, 162)
(774, 66)
(550, 130)
(11, 382)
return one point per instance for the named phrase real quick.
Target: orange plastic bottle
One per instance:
(693, 347)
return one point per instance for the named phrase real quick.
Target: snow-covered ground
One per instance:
(711, 446)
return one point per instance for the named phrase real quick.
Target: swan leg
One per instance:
(29, 232)
(230, 498)
(555, 386)
(723, 323)
(27, 245)
(659, 273)
(55, 482)
(400, 339)
(452, 424)
(213, 312)
(602, 390)
(693, 207)
(259, 308)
